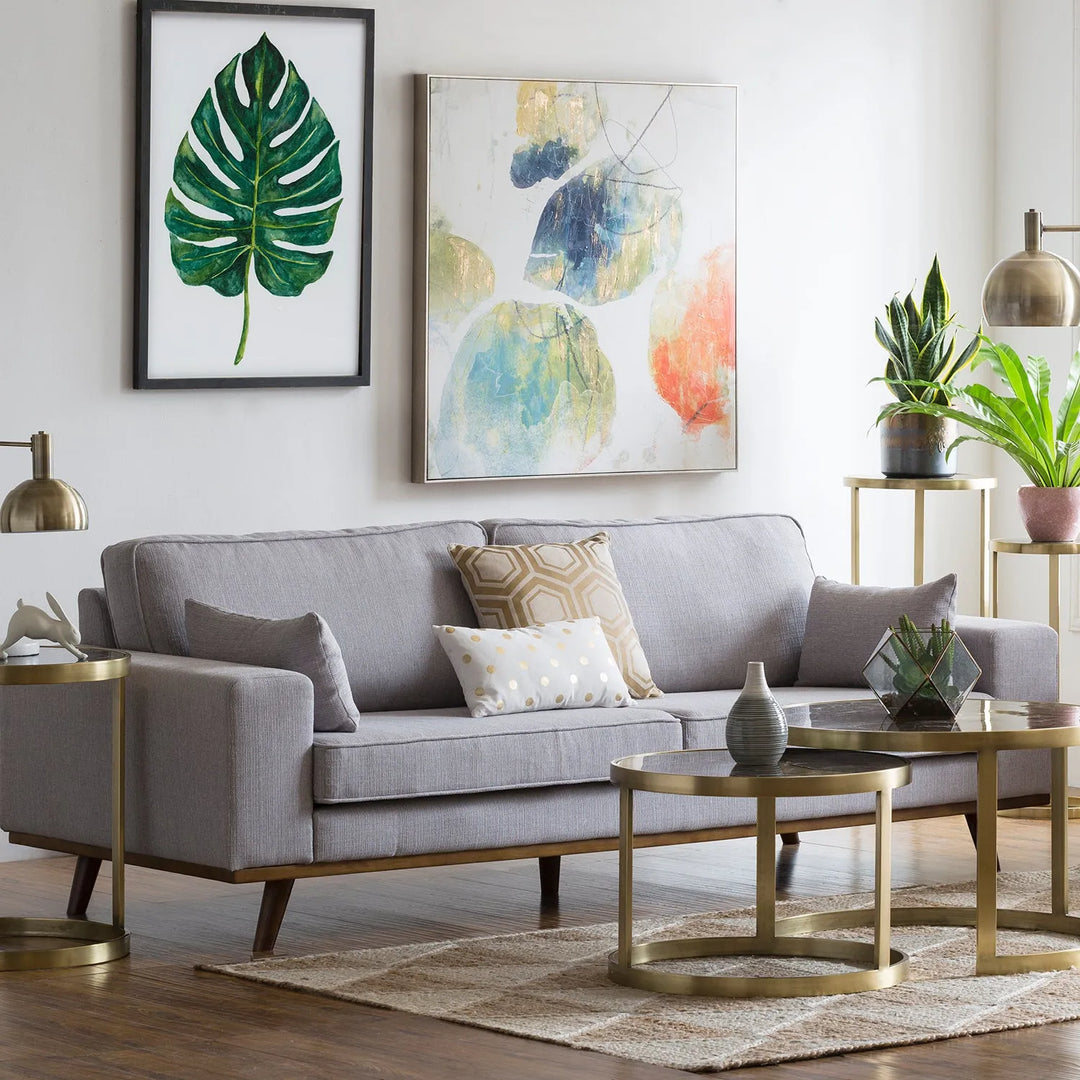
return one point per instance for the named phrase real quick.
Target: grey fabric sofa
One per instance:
(227, 780)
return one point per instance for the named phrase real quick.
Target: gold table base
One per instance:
(863, 953)
(1007, 919)
(1001, 725)
(90, 943)
(880, 965)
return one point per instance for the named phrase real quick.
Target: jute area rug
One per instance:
(552, 985)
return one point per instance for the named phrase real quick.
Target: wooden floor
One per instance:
(152, 1015)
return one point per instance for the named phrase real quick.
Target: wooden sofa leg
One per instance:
(973, 828)
(789, 837)
(275, 900)
(82, 886)
(549, 878)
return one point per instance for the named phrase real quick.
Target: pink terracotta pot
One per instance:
(1050, 514)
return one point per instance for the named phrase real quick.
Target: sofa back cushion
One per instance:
(379, 589)
(707, 594)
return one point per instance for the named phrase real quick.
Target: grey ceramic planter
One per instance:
(913, 445)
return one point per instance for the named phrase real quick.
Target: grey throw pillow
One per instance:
(304, 644)
(845, 622)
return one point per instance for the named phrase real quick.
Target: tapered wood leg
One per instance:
(549, 878)
(789, 837)
(973, 828)
(82, 886)
(275, 900)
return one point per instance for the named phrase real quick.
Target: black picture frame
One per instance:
(148, 371)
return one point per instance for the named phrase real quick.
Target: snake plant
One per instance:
(1045, 444)
(921, 349)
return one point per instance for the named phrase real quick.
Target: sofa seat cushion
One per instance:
(442, 752)
(704, 713)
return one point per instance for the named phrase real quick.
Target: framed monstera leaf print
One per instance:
(575, 278)
(253, 251)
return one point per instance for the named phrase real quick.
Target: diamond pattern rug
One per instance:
(552, 985)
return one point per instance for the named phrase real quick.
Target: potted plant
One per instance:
(921, 673)
(921, 351)
(1045, 444)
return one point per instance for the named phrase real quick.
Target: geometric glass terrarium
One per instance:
(921, 673)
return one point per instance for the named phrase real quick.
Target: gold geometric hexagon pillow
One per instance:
(514, 585)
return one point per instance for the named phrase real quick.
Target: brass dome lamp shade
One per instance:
(1033, 287)
(43, 503)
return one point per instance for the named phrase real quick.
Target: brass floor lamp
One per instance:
(43, 503)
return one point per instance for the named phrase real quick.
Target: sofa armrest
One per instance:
(1019, 660)
(218, 762)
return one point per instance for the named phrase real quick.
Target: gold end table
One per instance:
(920, 486)
(799, 773)
(1053, 551)
(86, 942)
(985, 728)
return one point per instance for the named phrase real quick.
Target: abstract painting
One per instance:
(575, 278)
(255, 190)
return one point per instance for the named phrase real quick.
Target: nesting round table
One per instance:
(799, 773)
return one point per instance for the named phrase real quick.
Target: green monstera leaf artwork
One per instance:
(274, 207)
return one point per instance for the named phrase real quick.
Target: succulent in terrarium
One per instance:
(921, 672)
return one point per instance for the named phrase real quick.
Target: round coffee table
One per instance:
(984, 727)
(799, 773)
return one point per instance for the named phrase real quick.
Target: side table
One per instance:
(86, 942)
(1053, 550)
(960, 482)
(799, 773)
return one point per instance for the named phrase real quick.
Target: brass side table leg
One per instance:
(854, 536)
(1055, 608)
(118, 792)
(984, 543)
(986, 915)
(994, 583)
(766, 871)
(1055, 598)
(920, 534)
(883, 878)
(1059, 830)
(626, 874)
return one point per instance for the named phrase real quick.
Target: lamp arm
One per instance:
(1034, 228)
(40, 446)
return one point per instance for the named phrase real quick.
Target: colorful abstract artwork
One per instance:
(575, 309)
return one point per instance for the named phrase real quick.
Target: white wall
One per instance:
(1036, 167)
(866, 144)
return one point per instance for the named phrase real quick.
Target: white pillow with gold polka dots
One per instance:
(555, 665)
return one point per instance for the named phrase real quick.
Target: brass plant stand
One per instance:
(1053, 551)
(985, 728)
(87, 942)
(799, 773)
(960, 482)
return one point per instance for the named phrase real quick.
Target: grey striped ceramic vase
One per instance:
(756, 725)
